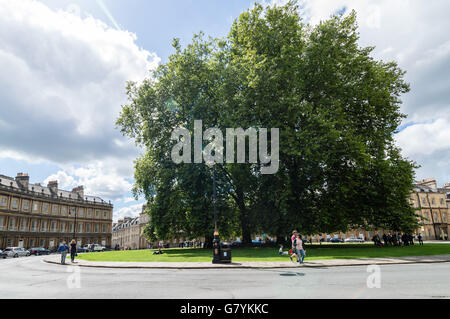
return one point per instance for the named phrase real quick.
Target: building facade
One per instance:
(432, 204)
(32, 215)
(127, 232)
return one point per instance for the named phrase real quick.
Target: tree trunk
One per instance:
(208, 241)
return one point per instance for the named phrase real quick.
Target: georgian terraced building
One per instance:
(32, 215)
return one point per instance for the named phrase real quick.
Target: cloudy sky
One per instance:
(64, 64)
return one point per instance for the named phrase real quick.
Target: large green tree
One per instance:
(337, 109)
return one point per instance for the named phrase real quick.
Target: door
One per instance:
(21, 243)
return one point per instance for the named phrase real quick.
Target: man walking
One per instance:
(63, 248)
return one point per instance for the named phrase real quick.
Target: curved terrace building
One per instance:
(32, 215)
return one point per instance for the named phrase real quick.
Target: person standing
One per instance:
(420, 239)
(63, 248)
(299, 248)
(73, 250)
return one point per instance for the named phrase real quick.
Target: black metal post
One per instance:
(216, 240)
(75, 227)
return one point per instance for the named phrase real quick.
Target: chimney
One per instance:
(53, 186)
(79, 191)
(23, 180)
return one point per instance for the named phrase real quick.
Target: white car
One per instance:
(16, 252)
(99, 247)
(354, 240)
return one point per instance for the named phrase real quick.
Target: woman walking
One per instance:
(299, 247)
(73, 250)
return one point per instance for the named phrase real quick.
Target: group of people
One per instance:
(71, 249)
(297, 250)
(396, 240)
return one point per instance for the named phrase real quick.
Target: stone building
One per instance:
(127, 232)
(431, 202)
(32, 215)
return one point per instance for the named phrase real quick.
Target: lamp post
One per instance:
(216, 240)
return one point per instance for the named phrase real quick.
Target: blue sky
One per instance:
(156, 23)
(65, 63)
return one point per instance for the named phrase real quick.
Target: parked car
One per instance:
(336, 240)
(82, 249)
(39, 251)
(354, 240)
(98, 247)
(16, 252)
(3, 254)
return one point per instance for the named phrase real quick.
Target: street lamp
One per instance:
(216, 240)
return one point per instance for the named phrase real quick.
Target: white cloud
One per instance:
(130, 211)
(415, 34)
(62, 84)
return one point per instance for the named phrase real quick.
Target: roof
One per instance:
(9, 182)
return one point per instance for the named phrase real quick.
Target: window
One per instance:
(88, 228)
(72, 211)
(104, 228)
(432, 201)
(89, 212)
(34, 225)
(12, 223)
(45, 208)
(80, 212)
(1, 223)
(26, 205)
(442, 201)
(3, 201)
(53, 226)
(44, 226)
(63, 210)
(97, 213)
(14, 203)
(96, 228)
(80, 228)
(55, 209)
(35, 207)
(63, 227)
(424, 201)
(23, 225)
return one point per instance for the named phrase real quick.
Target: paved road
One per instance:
(32, 278)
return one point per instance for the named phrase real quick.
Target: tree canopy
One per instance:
(337, 110)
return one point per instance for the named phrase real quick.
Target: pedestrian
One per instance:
(281, 252)
(419, 237)
(300, 250)
(73, 250)
(293, 239)
(63, 248)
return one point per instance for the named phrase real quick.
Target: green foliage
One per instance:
(337, 110)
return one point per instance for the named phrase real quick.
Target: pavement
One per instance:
(55, 259)
(31, 277)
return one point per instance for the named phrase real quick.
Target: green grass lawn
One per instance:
(268, 254)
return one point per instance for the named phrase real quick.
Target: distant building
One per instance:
(127, 232)
(32, 215)
(431, 202)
